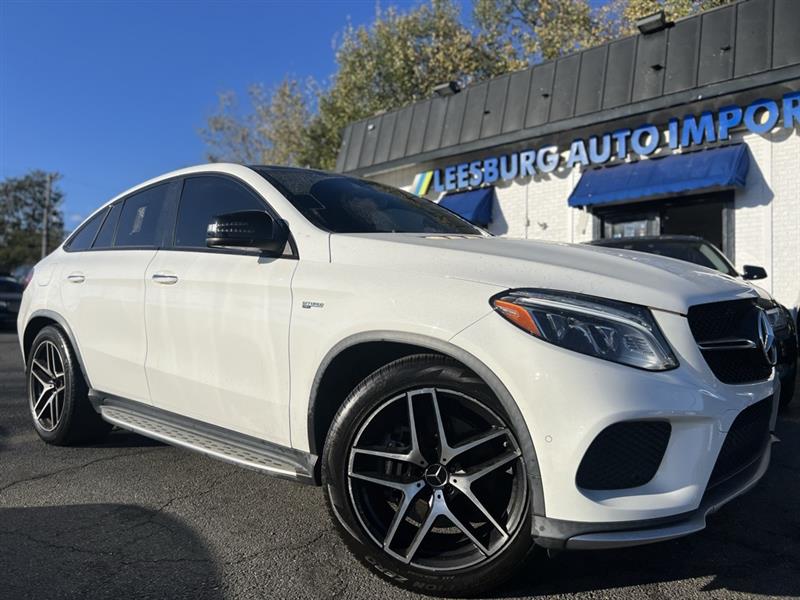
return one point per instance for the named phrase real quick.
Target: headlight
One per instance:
(615, 331)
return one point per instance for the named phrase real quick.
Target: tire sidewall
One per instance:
(392, 380)
(71, 378)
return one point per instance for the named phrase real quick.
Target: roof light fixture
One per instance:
(652, 23)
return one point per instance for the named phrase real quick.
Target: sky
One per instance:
(110, 94)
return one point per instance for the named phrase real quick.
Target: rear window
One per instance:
(84, 237)
(140, 221)
(698, 253)
(347, 205)
(105, 238)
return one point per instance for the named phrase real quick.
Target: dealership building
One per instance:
(690, 127)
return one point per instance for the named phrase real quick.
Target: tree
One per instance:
(273, 133)
(398, 59)
(401, 56)
(675, 9)
(22, 211)
(535, 29)
(546, 29)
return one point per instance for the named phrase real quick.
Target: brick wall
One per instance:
(767, 216)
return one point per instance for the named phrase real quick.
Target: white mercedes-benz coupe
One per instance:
(461, 398)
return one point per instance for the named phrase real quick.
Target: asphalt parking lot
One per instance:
(133, 518)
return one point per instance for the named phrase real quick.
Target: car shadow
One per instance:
(751, 546)
(102, 551)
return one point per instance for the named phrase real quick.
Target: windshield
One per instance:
(697, 252)
(342, 204)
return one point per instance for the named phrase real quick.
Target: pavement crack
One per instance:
(283, 548)
(72, 468)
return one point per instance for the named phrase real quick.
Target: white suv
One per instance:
(461, 398)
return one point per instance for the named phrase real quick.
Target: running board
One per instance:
(219, 443)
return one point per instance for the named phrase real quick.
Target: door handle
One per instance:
(165, 278)
(76, 277)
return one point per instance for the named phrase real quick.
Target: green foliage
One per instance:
(402, 55)
(271, 134)
(628, 11)
(543, 29)
(395, 61)
(22, 210)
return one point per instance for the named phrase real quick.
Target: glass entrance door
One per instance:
(703, 216)
(625, 226)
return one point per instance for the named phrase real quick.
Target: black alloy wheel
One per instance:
(432, 482)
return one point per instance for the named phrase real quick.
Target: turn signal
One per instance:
(517, 315)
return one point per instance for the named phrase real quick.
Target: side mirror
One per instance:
(248, 229)
(750, 273)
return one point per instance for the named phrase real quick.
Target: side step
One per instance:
(213, 441)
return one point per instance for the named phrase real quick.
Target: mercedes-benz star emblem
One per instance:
(766, 337)
(436, 475)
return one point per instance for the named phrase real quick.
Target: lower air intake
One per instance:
(746, 440)
(624, 455)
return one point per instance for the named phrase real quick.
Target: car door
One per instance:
(218, 320)
(102, 291)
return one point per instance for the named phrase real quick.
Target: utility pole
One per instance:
(46, 223)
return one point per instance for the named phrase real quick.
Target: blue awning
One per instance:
(710, 169)
(475, 206)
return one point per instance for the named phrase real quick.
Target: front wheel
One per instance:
(425, 477)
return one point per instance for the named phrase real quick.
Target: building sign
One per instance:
(758, 117)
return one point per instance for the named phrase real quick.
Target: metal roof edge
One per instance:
(716, 90)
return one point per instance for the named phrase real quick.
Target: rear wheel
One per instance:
(58, 394)
(425, 476)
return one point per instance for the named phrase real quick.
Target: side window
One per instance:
(202, 199)
(105, 238)
(83, 238)
(140, 221)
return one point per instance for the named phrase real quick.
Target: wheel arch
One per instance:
(344, 353)
(40, 319)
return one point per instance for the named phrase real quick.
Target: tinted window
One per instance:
(346, 205)
(139, 222)
(83, 238)
(202, 199)
(698, 253)
(106, 236)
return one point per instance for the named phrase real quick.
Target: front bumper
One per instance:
(567, 399)
(552, 533)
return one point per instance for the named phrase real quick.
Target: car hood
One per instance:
(624, 275)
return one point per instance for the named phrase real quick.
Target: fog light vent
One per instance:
(624, 455)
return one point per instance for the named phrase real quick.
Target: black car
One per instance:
(701, 252)
(10, 297)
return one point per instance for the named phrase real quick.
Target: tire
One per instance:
(58, 394)
(445, 397)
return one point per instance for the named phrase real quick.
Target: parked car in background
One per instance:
(23, 274)
(702, 252)
(460, 397)
(10, 298)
